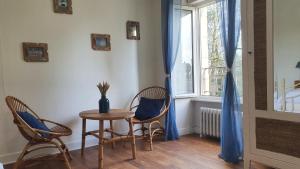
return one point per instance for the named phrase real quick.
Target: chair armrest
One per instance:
(158, 117)
(49, 133)
(55, 123)
(131, 108)
(58, 129)
(151, 120)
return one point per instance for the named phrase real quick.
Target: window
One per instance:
(183, 76)
(212, 62)
(213, 68)
(211, 65)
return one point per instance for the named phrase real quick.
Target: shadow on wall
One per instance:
(150, 61)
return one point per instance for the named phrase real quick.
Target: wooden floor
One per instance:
(190, 152)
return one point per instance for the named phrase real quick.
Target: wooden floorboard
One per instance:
(190, 152)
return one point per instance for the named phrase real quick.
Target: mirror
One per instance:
(286, 51)
(133, 30)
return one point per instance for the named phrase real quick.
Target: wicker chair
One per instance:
(154, 128)
(36, 138)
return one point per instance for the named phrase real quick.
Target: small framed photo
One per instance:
(35, 52)
(133, 30)
(63, 6)
(101, 42)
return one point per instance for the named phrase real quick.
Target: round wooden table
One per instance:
(113, 114)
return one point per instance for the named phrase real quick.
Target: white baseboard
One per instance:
(196, 129)
(8, 158)
(185, 131)
(76, 145)
(11, 157)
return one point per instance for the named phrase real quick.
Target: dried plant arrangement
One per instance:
(103, 88)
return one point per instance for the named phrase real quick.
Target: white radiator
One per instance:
(210, 122)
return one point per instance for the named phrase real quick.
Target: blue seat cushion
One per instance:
(148, 108)
(33, 122)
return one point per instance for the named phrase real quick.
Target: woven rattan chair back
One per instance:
(154, 92)
(15, 105)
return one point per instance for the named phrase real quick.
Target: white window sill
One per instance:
(211, 99)
(186, 96)
(208, 99)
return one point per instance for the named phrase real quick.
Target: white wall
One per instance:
(3, 126)
(150, 29)
(60, 89)
(159, 66)
(286, 41)
(184, 116)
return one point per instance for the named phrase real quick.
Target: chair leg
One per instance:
(68, 165)
(153, 132)
(143, 130)
(69, 155)
(64, 147)
(21, 156)
(150, 136)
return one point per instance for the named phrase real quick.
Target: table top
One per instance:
(113, 114)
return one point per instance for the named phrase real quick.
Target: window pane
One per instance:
(183, 73)
(238, 70)
(213, 68)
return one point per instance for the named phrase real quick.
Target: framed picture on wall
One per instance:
(63, 6)
(35, 52)
(133, 30)
(101, 42)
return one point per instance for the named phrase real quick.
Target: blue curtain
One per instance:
(231, 119)
(170, 22)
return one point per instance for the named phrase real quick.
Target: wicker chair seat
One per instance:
(61, 130)
(135, 120)
(58, 130)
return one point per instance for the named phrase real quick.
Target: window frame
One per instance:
(201, 97)
(195, 59)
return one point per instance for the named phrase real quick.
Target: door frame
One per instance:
(251, 153)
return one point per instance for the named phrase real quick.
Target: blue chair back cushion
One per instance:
(148, 108)
(33, 122)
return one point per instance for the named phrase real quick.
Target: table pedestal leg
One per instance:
(101, 142)
(83, 136)
(131, 133)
